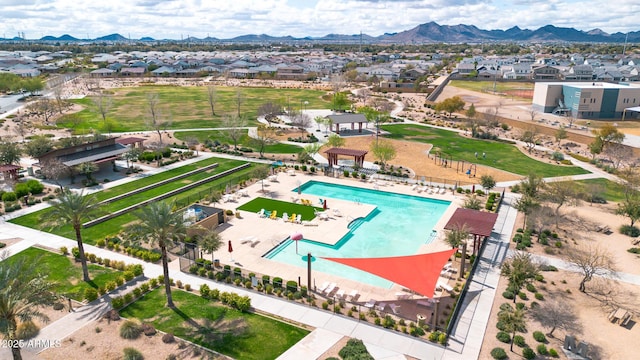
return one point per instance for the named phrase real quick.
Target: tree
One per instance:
(239, 101)
(618, 153)
(260, 172)
(132, 155)
(607, 135)
(533, 113)
(212, 98)
(264, 135)
(32, 85)
(526, 205)
(270, 111)
(556, 314)
(22, 127)
(591, 260)
(335, 140)
(73, 209)
(319, 120)
(339, 101)
(23, 291)
(530, 138)
(471, 112)
(561, 193)
(300, 120)
(210, 242)
(384, 151)
(630, 208)
(234, 128)
(45, 107)
(519, 270)
(103, 103)
(38, 146)
(532, 185)
(87, 169)
(487, 182)
(561, 134)
(156, 120)
(456, 237)
(9, 152)
(450, 105)
(540, 218)
(312, 149)
(472, 203)
(513, 321)
(54, 170)
(159, 226)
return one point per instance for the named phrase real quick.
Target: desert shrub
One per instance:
(503, 336)
(130, 330)
(117, 302)
(522, 295)
(557, 156)
(132, 354)
(144, 287)
(153, 283)
(498, 353)
(531, 288)
(553, 353)
(539, 336)
(508, 295)
(355, 349)
(528, 353)
(539, 277)
(519, 341)
(539, 296)
(204, 290)
(187, 287)
(90, 294)
(628, 230)
(58, 306)
(542, 349)
(168, 338)
(545, 267)
(148, 329)
(100, 243)
(520, 306)
(500, 326)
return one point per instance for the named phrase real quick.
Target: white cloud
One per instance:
(223, 19)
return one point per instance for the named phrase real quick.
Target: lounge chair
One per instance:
(261, 213)
(321, 202)
(298, 219)
(323, 216)
(323, 287)
(414, 187)
(445, 286)
(337, 213)
(292, 219)
(274, 215)
(309, 223)
(370, 304)
(291, 172)
(395, 308)
(273, 178)
(340, 294)
(354, 294)
(330, 288)
(294, 199)
(267, 214)
(285, 216)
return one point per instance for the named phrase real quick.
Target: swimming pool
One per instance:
(399, 225)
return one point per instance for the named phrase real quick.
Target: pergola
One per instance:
(358, 155)
(135, 142)
(9, 171)
(478, 223)
(352, 119)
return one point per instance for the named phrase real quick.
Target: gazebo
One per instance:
(479, 224)
(352, 119)
(9, 171)
(358, 155)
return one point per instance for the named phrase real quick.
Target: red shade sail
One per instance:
(230, 247)
(419, 273)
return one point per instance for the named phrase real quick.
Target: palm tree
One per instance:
(210, 242)
(73, 209)
(22, 291)
(456, 237)
(520, 270)
(159, 225)
(512, 320)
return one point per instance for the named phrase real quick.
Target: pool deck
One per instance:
(252, 236)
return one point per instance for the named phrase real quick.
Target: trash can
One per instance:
(216, 263)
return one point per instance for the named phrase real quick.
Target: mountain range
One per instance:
(430, 32)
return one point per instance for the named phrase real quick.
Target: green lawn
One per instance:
(188, 106)
(256, 204)
(113, 226)
(612, 190)
(244, 141)
(500, 155)
(214, 326)
(481, 86)
(66, 273)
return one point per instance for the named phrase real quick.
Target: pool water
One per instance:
(398, 226)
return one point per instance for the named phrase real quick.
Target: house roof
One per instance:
(478, 222)
(93, 155)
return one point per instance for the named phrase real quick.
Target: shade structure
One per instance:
(419, 273)
(296, 236)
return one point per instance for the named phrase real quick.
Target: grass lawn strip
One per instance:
(188, 105)
(244, 141)
(610, 190)
(214, 326)
(290, 208)
(499, 155)
(165, 195)
(65, 273)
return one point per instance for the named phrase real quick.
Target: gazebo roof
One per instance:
(347, 118)
(478, 222)
(129, 140)
(348, 152)
(8, 167)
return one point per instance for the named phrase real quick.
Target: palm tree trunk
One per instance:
(167, 281)
(15, 351)
(83, 259)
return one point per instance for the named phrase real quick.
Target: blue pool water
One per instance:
(398, 226)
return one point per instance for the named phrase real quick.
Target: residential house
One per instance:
(544, 72)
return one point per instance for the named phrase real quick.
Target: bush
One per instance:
(130, 330)
(548, 268)
(500, 326)
(148, 329)
(539, 336)
(355, 349)
(634, 250)
(168, 338)
(498, 353)
(90, 294)
(35, 187)
(132, 354)
(58, 306)
(553, 353)
(528, 353)
(557, 156)
(9, 196)
(117, 302)
(539, 296)
(542, 349)
(504, 337)
(531, 288)
(519, 341)
(508, 295)
(628, 230)
(64, 250)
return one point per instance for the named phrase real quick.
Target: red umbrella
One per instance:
(230, 250)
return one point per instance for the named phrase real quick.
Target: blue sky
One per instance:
(174, 19)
